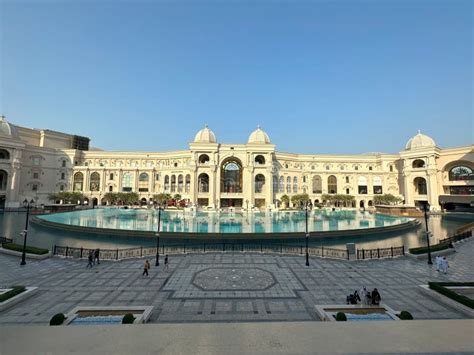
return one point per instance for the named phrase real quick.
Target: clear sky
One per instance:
(318, 76)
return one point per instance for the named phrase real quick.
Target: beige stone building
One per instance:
(35, 163)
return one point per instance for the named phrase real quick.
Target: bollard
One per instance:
(81, 252)
(67, 249)
(392, 251)
(116, 255)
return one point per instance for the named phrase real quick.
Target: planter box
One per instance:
(447, 301)
(433, 254)
(141, 313)
(29, 291)
(325, 312)
(28, 255)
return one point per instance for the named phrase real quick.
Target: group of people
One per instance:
(93, 257)
(365, 297)
(442, 264)
(147, 265)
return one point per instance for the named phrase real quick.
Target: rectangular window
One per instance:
(127, 189)
(34, 187)
(362, 190)
(143, 189)
(36, 161)
(377, 190)
(347, 179)
(370, 168)
(35, 176)
(61, 188)
(347, 191)
(111, 176)
(391, 168)
(64, 164)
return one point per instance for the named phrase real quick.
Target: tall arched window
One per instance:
(420, 186)
(275, 183)
(78, 183)
(282, 184)
(4, 154)
(3, 180)
(295, 185)
(461, 172)
(127, 182)
(362, 183)
(231, 176)
(94, 183)
(143, 182)
(203, 183)
(259, 183)
(167, 183)
(332, 184)
(187, 187)
(418, 163)
(288, 185)
(173, 183)
(180, 183)
(317, 185)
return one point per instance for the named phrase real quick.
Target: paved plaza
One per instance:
(228, 287)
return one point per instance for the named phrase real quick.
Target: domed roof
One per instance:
(420, 141)
(205, 135)
(6, 128)
(258, 136)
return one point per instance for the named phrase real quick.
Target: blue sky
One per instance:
(319, 76)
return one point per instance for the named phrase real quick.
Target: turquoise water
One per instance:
(12, 223)
(94, 320)
(203, 222)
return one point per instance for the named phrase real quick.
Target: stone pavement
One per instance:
(228, 287)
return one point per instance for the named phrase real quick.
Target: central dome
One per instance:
(258, 136)
(6, 128)
(205, 135)
(420, 141)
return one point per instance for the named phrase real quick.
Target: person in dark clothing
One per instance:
(90, 260)
(356, 297)
(96, 256)
(166, 262)
(376, 297)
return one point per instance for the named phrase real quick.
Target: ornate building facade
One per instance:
(35, 163)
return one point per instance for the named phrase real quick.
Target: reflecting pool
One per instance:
(204, 222)
(12, 223)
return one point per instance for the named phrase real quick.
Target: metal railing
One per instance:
(456, 238)
(120, 254)
(380, 253)
(5, 240)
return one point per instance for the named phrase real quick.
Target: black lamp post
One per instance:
(157, 262)
(425, 210)
(27, 205)
(307, 234)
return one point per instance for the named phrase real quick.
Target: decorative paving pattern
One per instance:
(282, 288)
(230, 279)
(238, 281)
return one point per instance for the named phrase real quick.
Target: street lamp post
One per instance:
(427, 232)
(157, 262)
(307, 234)
(25, 232)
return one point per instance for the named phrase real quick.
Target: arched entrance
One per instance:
(231, 182)
(95, 202)
(362, 204)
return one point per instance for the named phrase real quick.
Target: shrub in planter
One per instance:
(57, 319)
(341, 317)
(405, 315)
(16, 290)
(128, 319)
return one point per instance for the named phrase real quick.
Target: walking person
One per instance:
(364, 295)
(90, 260)
(444, 265)
(166, 262)
(438, 263)
(96, 256)
(146, 267)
